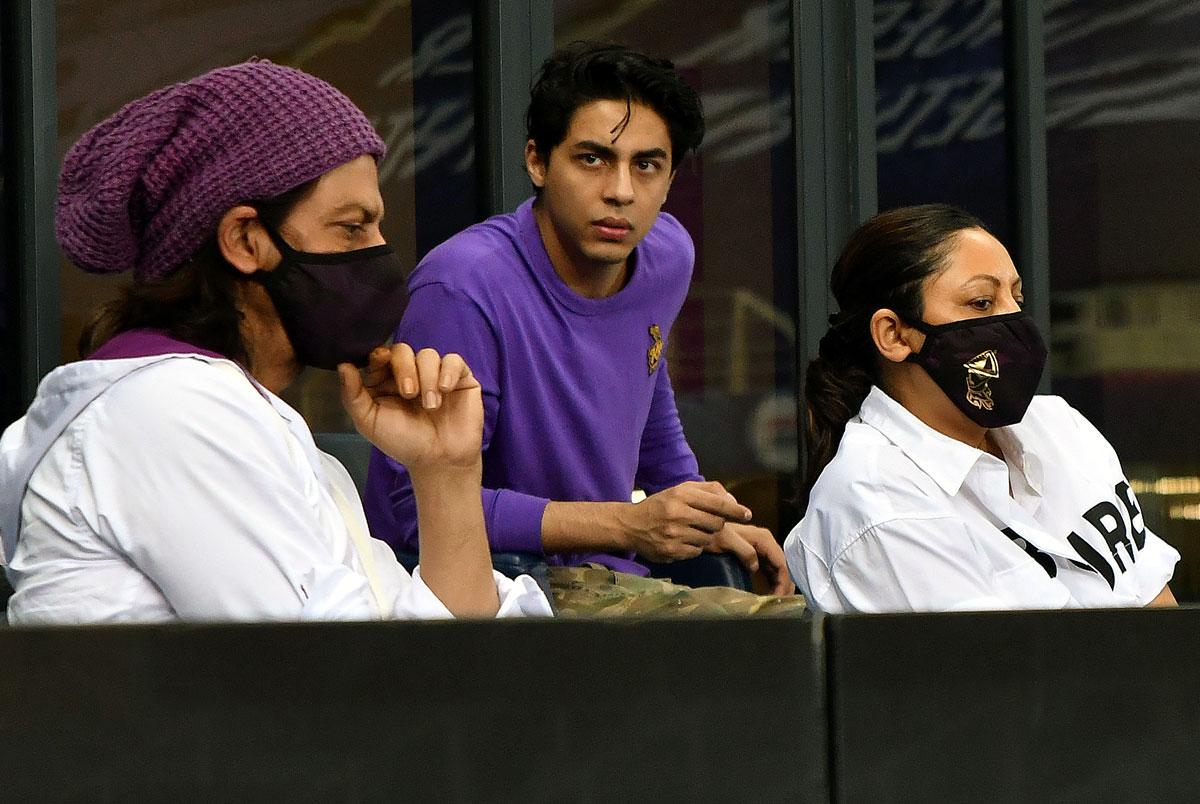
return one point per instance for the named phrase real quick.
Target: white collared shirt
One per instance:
(905, 518)
(188, 491)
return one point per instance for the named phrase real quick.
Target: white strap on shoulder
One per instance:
(362, 543)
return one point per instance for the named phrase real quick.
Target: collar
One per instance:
(139, 343)
(1022, 455)
(147, 343)
(534, 252)
(946, 460)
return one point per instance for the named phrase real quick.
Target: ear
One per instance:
(894, 339)
(534, 165)
(244, 243)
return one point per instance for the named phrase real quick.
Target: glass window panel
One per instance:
(1123, 120)
(732, 353)
(939, 79)
(9, 352)
(408, 66)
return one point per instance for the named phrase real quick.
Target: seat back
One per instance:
(352, 450)
(706, 569)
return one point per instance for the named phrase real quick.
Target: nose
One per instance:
(376, 236)
(619, 189)
(1007, 304)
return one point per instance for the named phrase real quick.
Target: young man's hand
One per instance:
(424, 410)
(680, 522)
(759, 553)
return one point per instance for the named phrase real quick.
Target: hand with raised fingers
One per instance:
(422, 409)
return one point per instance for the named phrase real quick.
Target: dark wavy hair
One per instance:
(884, 265)
(196, 303)
(587, 71)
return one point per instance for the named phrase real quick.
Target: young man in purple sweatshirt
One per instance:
(563, 309)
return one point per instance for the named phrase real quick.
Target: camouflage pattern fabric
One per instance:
(595, 591)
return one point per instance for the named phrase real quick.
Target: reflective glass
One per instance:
(939, 78)
(9, 353)
(1123, 120)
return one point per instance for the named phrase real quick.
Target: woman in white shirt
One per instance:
(940, 481)
(162, 477)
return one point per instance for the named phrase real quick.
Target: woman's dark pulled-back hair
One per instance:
(884, 265)
(587, 71)
(196, 303)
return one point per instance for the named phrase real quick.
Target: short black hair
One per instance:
(587, 71)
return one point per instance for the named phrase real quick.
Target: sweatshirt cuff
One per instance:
(514, 522)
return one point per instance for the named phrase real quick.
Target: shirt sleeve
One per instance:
(664, 457)
(1155, 562)
(445, 319)
(519, 597)
(922, 565)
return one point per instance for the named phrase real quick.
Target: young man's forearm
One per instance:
(675, 523)
(575, 527)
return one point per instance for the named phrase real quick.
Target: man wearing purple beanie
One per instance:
(162, 477)
(563, 308)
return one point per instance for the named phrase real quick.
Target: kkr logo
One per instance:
(981, 368)
(654, 353)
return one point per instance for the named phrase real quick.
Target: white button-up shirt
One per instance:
(188, 491)
(905, 518)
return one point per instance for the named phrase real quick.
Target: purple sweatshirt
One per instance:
(577, 402)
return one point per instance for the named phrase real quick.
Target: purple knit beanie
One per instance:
(145, 188)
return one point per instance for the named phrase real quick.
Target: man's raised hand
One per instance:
(422, 409)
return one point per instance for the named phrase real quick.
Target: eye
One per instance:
(647, 166)
(352, 229)
(981, 304)
(590, 160)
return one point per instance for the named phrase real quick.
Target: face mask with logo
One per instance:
(336, 307)
(989, 367)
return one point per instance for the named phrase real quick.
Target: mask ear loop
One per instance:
(285, 250)
(280, 274)
(928, 330)
(918, 325)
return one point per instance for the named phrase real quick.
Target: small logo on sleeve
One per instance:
(654, 353)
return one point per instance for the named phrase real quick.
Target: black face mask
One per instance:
(336, 307)
(989, 367)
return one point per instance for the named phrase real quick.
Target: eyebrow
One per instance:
(604, 150)
(993, 281)
(369, 213)
(651, 154)
(988, 277)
